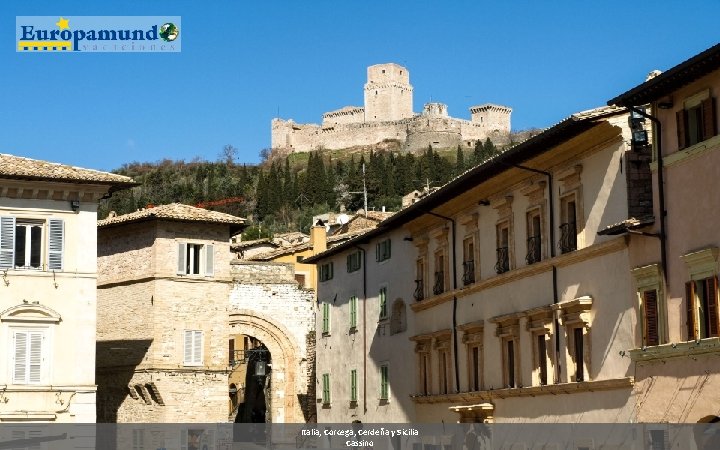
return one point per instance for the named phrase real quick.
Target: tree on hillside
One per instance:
(459, 161)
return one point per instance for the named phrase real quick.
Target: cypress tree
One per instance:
(459, 161)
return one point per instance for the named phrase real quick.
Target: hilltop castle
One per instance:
(388, 115)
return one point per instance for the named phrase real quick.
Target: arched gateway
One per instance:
(286, 375)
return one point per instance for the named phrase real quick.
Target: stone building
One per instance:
(675, 261)
(388, 116)
(513, 307)
(162, 338)
(47, 294)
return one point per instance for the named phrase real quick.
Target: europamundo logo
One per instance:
(121, 34)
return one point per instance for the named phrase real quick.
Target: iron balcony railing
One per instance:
(568, 237)
(419, 293)
(468, 272)
(439, 286)
(503, 260)
(533, 250)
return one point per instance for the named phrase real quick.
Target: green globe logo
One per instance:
(169, 32)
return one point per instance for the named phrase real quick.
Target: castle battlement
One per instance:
(388, 115)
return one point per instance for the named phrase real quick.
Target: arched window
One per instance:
(398, 317)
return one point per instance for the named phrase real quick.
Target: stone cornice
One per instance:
(488, 396)
(543, 266)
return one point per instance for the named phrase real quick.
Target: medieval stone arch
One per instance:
(285, 376)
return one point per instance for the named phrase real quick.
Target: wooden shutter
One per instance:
(7, 242)
(680, 121)
(712, 306)
(209, 260)
(56, 236)
(650, 305)
(378, 252)
(326, 318)
(389, 249)
(708, 113)
(35, 357)
(182, 258)
(197, 347)
(349, 260)
(188, 347)
(353, 385)
(330, 271)
(20, 363)
(690, 308)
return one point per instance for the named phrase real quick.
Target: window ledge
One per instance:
(688, 153)
(25, 416)
(676, 350)
(530, 391)
(325, 334)
(353, 330)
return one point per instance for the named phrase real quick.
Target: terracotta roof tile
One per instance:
(173, 211)
(17, 167)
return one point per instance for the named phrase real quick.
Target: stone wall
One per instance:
(142, 319)
(266, 303)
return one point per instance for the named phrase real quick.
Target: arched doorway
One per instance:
(282, 364)
(249, 380)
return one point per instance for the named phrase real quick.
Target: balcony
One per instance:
(503, 260)
(439, 286)
(533, 250)
(568, 237)
(419, 293)
(468, 272)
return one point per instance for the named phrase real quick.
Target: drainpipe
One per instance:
(364, 268)
(661, 193)
(454, 311)
(556, 322)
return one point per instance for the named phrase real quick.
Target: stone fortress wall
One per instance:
(388, 115)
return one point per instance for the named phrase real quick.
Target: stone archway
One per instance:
(284, 404)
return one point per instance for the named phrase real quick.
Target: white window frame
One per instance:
(44, 355)
(194, 355)
(52, 242)
(206, 265)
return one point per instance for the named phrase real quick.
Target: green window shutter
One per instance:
(353, 312)
(7, 242)
(353, 385)
(389, 248)
(182, 258)
(349, 263)
(326, 388)
(326, 318)
(378, 252)
(56, 236)
(384, 382)
(209, 260)
(383, 303)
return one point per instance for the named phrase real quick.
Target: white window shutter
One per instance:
(35, 357)
(7, 242)
(197, 347)
(209, 260)
(20, 362)
(182, 258)
(56, 236)
(188, 347)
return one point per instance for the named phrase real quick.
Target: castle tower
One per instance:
(388, 93)
(494, 119)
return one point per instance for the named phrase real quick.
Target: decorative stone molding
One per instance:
(479, 413)
(503, 205)
(508, 325)
(646, 276)
(570, 177)
(575, 312)
(30, 312)
(469, 221)
(472, 332)
(702, 264)
(539, 320)
(535, 192)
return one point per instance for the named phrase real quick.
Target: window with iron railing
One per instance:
(503, 260)
(419, 293)
(439, 286)
(468, 272)
(533, 250)
(568, 237)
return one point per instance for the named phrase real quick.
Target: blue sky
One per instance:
(242, 62)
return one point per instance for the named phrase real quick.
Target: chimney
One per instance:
(318, 237)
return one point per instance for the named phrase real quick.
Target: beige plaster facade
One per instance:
(48, 274)
(517, 310)
(388, 115)
(675, 354)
